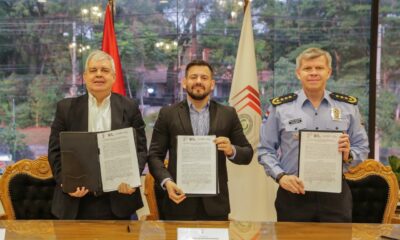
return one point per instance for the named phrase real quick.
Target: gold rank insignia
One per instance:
(344, 98)
(283, 99)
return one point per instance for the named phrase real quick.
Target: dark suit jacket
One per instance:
(175, 120)
(72, 115)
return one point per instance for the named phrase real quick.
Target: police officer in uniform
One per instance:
(312, 108)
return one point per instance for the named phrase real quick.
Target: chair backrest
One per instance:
(375, 189)
(151, 198)
(154, 196)
(26, 189)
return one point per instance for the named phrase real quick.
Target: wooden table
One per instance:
(148, 230)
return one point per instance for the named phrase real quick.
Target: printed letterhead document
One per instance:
(320, 162)
(203, 233)
(196, 172)
(118, 159)
(99, 161)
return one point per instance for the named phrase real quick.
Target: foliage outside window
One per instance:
(43, 46)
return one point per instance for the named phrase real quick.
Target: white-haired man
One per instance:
(98, 110)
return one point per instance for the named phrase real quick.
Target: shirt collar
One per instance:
(328, 98)
(302, 98)
(191, 106)
(93, 100)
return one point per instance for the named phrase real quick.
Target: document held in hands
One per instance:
(320, 162)
(99, 161)
(196, 172)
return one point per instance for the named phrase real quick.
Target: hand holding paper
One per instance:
(224, 144)
(125, 188)
(174, 192)
(344, 146)
(292, 184)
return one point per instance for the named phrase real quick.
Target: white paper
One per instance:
(320, 162)
(203, 234)
(197, 165)
(118, 159)
(2, 233)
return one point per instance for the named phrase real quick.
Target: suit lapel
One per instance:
(213, 118)
(184, 116)
(117, 110)
(79, 113)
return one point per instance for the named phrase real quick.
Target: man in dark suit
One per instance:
(197, 115)
(99, 110)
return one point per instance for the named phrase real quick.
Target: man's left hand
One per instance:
(344, 146)
(125, 188)
(224, 144)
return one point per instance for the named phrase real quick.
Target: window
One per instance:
(44, 44)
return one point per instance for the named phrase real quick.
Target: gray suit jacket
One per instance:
(175, 120)
(72, 115)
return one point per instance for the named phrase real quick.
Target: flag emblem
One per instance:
(247, 123)
(247, 98)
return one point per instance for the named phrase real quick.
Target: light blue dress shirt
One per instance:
(279, 139)
(200, 120)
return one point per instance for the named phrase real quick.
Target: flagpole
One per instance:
(246, 3)
(111, 3)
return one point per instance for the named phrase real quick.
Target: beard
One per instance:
(197, 96)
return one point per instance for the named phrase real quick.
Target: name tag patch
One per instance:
(295, 121)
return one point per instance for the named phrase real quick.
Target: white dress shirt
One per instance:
(99, 115)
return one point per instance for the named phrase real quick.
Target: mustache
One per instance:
(198, 85)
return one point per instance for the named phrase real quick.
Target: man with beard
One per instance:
(197, 115)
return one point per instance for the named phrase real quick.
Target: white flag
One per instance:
(251, 192)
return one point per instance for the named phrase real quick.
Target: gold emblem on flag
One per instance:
(247, 123)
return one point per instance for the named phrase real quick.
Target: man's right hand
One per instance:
(174, 192)
(80, 192)
(292, 184)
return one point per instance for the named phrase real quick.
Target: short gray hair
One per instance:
(312, 53)
(98, 55)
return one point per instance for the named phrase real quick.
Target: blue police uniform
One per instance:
(279, 143)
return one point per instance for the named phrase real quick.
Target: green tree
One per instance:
(43, 94)
(11, 142)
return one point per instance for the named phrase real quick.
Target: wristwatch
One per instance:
(350, 159)
(280, 175)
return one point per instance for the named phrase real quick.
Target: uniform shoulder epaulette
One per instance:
(344, 98)
(283, 99)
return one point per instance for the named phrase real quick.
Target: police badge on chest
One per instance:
(336, 114)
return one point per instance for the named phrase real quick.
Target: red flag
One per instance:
(110, 46)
